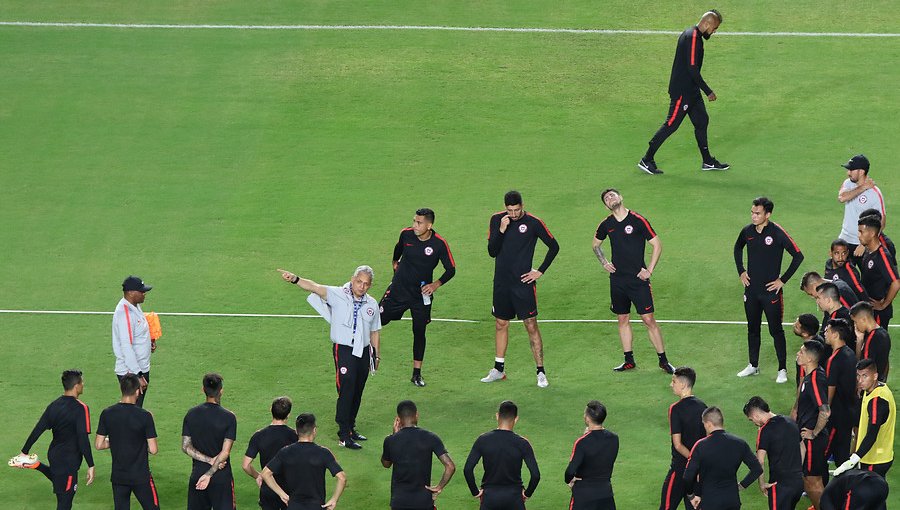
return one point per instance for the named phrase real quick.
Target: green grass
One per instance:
(203, 160)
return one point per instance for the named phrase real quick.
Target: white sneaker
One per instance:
(542, 380)
(24, 461)
(750, 370)
(782, 376)
(494, 375)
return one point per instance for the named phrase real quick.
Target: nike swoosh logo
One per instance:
(649, 307)
(773, 302)
(750, 238)
(407, 244)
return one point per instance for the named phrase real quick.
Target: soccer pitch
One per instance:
(203, 159)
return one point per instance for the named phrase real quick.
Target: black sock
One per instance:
(629, 357)
(499, 366)
(45, 470)
(417, 372)
(662, 357)
(540, 370)
(707, 157)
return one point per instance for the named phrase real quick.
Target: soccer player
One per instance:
(811, 411)
(686, 428)
(858, 192)
(302, 466)
(840, 372)
(878, 272)
(266, 443)
(355, 333)
(416, 254)
(207, 435)
(766, 242)
(777, 439)
(629, 276)
(591, 464)
(685, 84)
(856, 490)
(882, 238)
(503, 452)
(131, 340)
(839, 267)
(873, 341)
(712, 467)
(512, 236)
(408, 450)
(130, 434)
(811, 281)
(807, 328)
(70, 421)
(878, 416)
(828, 299)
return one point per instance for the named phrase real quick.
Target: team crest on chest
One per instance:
(863, 199)
(523, 228)
(871, 264)
(429, 250)
(835, 278)
(343, 370)
(629, 229)
(370, 312)
(769, 240)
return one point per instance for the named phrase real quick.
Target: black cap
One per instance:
(135, 283)
(858, 162)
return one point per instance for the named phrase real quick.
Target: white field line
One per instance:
(311, 316)
(424, 28)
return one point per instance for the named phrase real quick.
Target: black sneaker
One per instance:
(628, 365)
(714, 164)
(667, 367)
(649, 166)
(350, 444)
(418, 381)
(356, 436)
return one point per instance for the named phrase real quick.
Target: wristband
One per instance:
(295, 279)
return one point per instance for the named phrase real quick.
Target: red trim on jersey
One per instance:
(887, 264)
(828, 365)
(881, 201)
(849, 495)
(694, 448)
(694, 46)
(87, 416)
(858, 286)
(153, 490)
(774, 498)
(542, 223)
(646, 223)
(830, 440)
(816, 388)
(576, 446)
(759, 434)
(791, 239)
(868, 342)
(337, 370)
(447, 246)
(69, 483)
(675, 111)
(670, 416)
(878, 319)
(874, 410)
(571, 502)
(407, 229)
(128, 321)
(669, 491)
(808, 455)
(844, 303)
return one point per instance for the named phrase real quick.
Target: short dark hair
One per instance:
(843, 329)
(839, 242)
(608, 190)
(305, 424)
(596, 411)
(406, 409)
(808, 278)
(864, 308)
(870, 222)
(129, 383)
(830, 291)
(512, 197)
(755, 402)
(71, 378)
(865, 364)
(766, 204)
(508, 410)
(717, 14)
(809, 323)
(713, 415)
(871, 212)
(281, 408)
(814, 347)
(212, 384)
(686, 374)
(427, 213)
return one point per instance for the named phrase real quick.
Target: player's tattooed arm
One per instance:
(188, 448)
(824, 413)
(598, 251)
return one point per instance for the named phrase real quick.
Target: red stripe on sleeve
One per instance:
(849, 495)
(576, 446)
(646, 224)
(670, 416)
(87, 416)
(694, 46)
(828, 365)
(856, 283)
(791, 239)
(447, 246)
(542, 223)
(887, 264)
(815, 387)
(868, 342)
(881, 202)
(128, 321)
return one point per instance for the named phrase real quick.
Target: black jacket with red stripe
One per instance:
(686, 79)
(764, 253)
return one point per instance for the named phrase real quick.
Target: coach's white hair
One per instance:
(365, 269)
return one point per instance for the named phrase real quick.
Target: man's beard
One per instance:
(706, 36)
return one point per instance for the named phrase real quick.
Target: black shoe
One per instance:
(628, 365)
(350, 444)
(714, 164)
(649, 166)
(356, 436)
(418, 381)
(667, 367)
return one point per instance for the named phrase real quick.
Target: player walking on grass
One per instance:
(766, 242)
(590, 468)
(777, 439)
(416, 254)
(130, 434)
(811, 411)
(131, 340)
(503, 452)
(685, 84)
(266, 443)
(686, 428)
(70, 421)
(409, 452)
(512, 236)
(207, 435)
(302, 467)
(629, 276)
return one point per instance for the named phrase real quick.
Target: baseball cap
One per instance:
(135, 283)
(858, 162)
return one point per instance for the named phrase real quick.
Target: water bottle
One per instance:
(426, 298)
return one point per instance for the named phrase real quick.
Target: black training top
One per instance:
(128, 428)
(848, 274)
(503, 452)
(209, 425)
(840, 313)
(418, 259)
(686, 79)
(876, 346)
(629, 239)
(302, 466)
(764, 253)
(838, 494)
(813, 394)
(70, 421)
(715, 461)
(685, 418)
(513, 250)
(780, 438)
(877, 272)
(592, 460)
(269, 441)
(840, 370)
(410, 450)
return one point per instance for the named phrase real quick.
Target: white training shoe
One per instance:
(542, 381)
(750, 370)
(782, 376)
(494, 375)
(24, 461)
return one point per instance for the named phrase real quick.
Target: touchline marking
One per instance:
(606, 31)
(313, 316)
